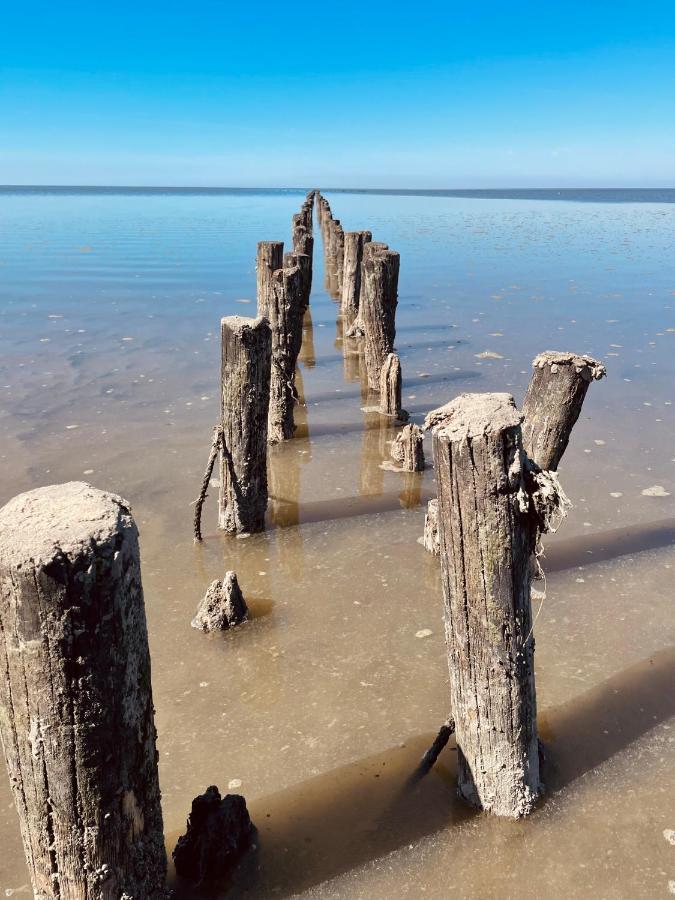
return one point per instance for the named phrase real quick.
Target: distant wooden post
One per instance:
(553, 402)
(351, 275)
(269, 259)
(284, 313)
(486, 538)
(245, 396)
(339, 257)
(76, 713)
(380, 298)
(391, 383)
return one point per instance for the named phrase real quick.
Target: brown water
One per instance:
(319, 708)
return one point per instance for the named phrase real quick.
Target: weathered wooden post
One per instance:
(391, 383)
(284, 313)
(245, 396)
(76, 713)
(269, 258)
(408, 448)
(380, 298)
(303, 246)
(553, 402)
(430, 537)
(351, 276)
(339, 244)
(487, 532)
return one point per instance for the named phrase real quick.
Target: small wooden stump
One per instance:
(76, 713)
(245, 398)
(378, 315)
(430, 540)
(553, 402)
(390, 386)
(222, 607)
(219, 833)
(268, 260)
(487, 534)
(408, 448)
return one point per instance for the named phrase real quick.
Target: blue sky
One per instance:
(480, 94)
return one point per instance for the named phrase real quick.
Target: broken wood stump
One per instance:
(391, 384)
(553, 402)
(378, 314)
(430, 537)
(219, 833)
(222, 607)
(408, 448)
(351, 273)
(487, 533)
(245, 399)
(76, 713)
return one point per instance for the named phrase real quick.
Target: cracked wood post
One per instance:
(246, 346)
(355, 330)
(408, 448)
(304, 261)
(380, 298)
(76, 713)
(303, 244)
(485, 547)
(351, 273)
(270, 257)
(553, 402)
(391, 382)
(283, 311)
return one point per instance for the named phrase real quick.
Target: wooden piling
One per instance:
(284, 313)
(269, 258)
(486, 536)
(351, 274)
(391, 384)
(380, 297)
(76, 713)
(553, 402)
(245, 396)
(408, 448)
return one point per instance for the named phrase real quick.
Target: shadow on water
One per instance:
(327, 825)
(605, 545)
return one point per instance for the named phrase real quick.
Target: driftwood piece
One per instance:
(269, 258)
(553, 402)
(430, 538)
(76, 713)
(391, 383)
(351, 272)
(245, 397)
(380, 297)
(408, 448)
(219, 833)
(222, 607)
(487, 534)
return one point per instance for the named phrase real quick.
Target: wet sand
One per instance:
(322, 705)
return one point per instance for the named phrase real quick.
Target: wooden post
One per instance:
(339, 257)
(351, 275)
(408, 448)
(390, 387)
(269, 259)
(380, 298)
(486, 536)
(304, 261)
(553, 402)
(76, 713)
(284, 314)
(245, 396)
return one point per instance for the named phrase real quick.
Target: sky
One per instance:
(498, 93)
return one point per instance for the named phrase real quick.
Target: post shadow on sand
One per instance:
(332, 823)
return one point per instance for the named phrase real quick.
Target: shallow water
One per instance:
(322, 705)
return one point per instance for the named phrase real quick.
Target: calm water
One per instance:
(110, 303)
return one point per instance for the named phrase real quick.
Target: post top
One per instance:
(581, 362)
(60, 519)
(242, 323)
(473, 415)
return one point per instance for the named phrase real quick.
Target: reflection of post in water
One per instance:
(307, 354)
(284, 492)
(411, 494)
(351, 360)
(374, 451)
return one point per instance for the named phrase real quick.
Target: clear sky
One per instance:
(488, 93)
